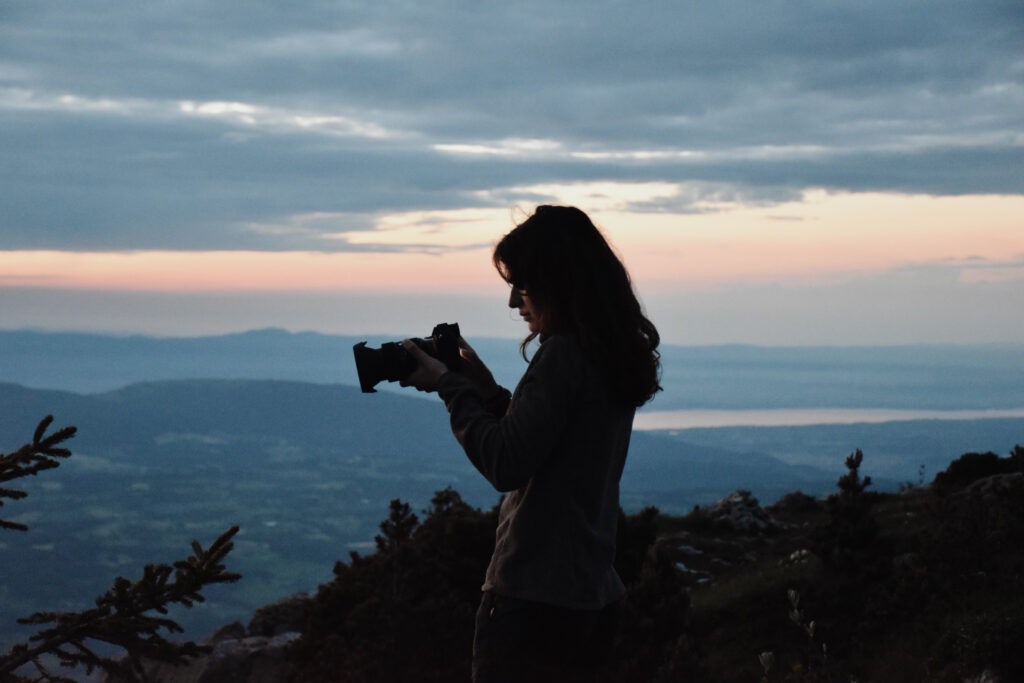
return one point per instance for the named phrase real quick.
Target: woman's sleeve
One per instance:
(511, 448)
(497, 405)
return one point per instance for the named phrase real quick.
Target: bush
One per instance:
(971, 467)
(849, 540)
(405, 612)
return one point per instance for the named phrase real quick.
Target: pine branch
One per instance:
(31, 459)
(122, 617)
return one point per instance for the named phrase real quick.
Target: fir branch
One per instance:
(31, 459)
(122, 618)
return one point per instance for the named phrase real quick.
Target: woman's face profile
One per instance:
(520, 300)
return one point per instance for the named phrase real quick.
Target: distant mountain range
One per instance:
(718, 377)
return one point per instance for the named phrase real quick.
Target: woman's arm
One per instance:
(509, 449)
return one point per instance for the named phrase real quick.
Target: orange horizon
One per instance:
(821, 238)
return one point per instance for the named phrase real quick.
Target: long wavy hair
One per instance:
(578, 284)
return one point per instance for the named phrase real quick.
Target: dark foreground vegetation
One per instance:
(922, 585)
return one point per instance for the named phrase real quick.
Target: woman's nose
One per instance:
(515, 299)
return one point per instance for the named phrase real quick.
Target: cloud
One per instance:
(197, 125)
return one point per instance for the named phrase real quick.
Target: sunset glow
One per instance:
(226, 271)
(825, 237)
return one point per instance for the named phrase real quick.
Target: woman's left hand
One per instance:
(477, 371)
(427, 375)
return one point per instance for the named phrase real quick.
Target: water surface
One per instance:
(799, 417)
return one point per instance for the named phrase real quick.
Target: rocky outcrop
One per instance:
(990, 489)
(741, 512)
(284, 616)
(254, 654)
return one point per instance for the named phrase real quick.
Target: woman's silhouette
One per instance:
(557, 445)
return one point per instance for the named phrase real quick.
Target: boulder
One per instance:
(741, 512)
(992, 488)
(287, 615)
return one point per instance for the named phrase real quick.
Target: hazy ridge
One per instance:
(953, 377)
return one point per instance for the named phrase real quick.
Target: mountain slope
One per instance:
(306, 470)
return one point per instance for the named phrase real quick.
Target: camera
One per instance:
(393, 362)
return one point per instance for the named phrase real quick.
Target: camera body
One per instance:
(392, 362)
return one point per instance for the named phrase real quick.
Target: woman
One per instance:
(557, 446)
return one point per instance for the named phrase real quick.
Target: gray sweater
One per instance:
(558, 446)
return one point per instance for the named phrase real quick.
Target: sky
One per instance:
(773, 172)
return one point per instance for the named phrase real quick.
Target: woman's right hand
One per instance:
(477, 371)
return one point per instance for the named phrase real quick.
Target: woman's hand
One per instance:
(475, 369)
(427, 375)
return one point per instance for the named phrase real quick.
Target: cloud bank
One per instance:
(191, 125)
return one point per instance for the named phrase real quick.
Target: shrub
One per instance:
(970, 467)
(850, 537)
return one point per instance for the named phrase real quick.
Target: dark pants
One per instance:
(519, 640)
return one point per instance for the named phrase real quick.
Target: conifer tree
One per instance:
(124, 615)
(31, 459)
(850, 538)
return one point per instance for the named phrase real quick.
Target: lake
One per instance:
(799, 417)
